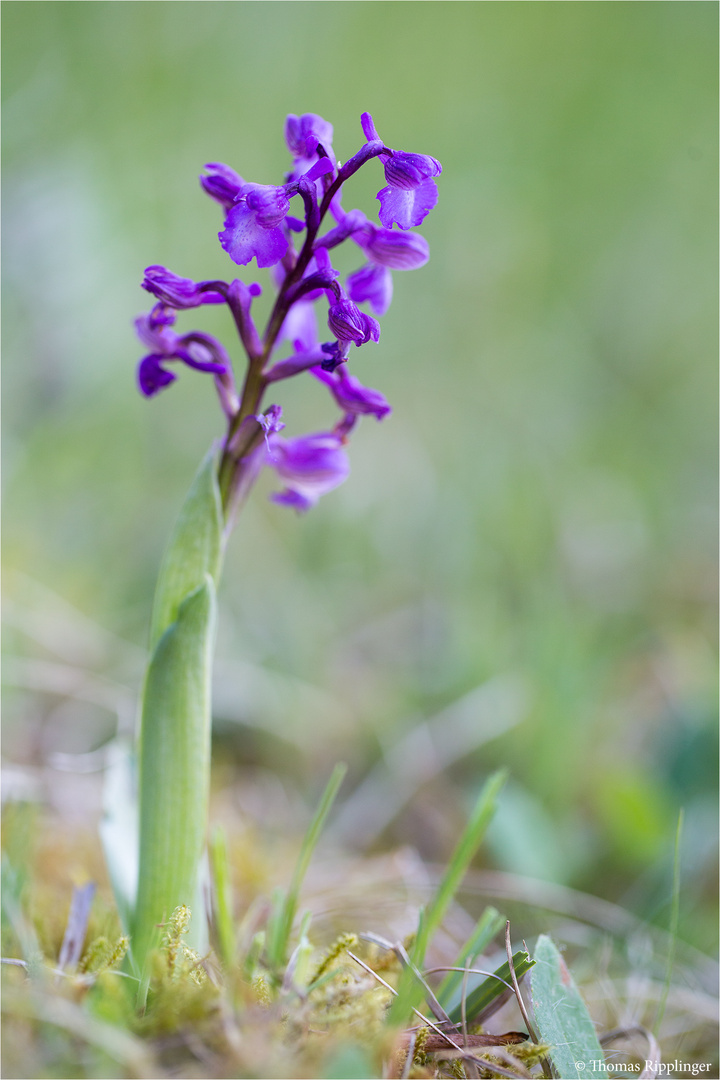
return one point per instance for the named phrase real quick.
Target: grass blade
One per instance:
(488, 925)
(278, 939)
(222, 895)
(674, 920)
(410, 991)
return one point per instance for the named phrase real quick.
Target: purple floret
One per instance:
(200, 351)
(252, 225)
(411, 192)
(303, 135)
(396, 250)
(311, 465)
(152, 376)
(351, 395)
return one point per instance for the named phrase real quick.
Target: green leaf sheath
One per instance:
(561, 1016)
(174, 766)
(174, 743)
(194, 550)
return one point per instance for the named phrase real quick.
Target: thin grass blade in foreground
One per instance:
(279, 932)
(226, 938)
(674, 922)
(487, 927)
(410, 990)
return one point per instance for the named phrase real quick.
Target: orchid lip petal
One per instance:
(407, 207)
(152, 376)
(245, 238)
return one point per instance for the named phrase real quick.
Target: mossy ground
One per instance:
(322, 1016)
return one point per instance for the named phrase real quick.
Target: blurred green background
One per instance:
(520, 570)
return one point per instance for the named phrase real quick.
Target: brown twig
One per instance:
(435, 1006)
(445, 1042)
(516, 985)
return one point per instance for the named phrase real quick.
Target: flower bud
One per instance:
(175, 291)
(222, 184)
(303, 133)
(348, 323)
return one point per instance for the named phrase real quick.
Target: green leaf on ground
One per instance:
(562, 1017)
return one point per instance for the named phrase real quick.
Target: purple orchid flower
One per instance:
(310, 465)
(373, 284)
(197, 350)
(258, 225)
(396, 250)
(411, 192)
(252, 225)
